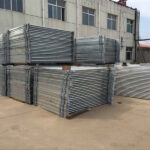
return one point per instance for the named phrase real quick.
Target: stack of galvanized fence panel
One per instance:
(3, 80)
(133, 81)
(34, 44)
(65, 92)
(99, 50)
(20, 83)
(27, 45)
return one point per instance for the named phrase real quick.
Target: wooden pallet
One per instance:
(52, 64)
(78, 64)
(65, 67)
(40, 64)
(19, 64)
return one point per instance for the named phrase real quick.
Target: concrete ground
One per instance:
(122, 126)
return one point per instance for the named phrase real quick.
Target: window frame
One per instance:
(111, 20)
(57, 6)
(11, 6)
(89, 14)
(130, 23)
(129, 50)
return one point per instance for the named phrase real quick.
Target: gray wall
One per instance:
(143, 55)
(33, 14)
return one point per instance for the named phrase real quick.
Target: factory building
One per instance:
(85, 17)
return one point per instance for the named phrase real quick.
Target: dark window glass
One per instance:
(7, 4)
(63, 14)
(113, 17)
(85, 19)
(52, 11)
(128, 21)
(128, 56)
(91, 20)
(61, 3)
(49, 11)
(14, 5)
(88, 16)
(129, 53)
(109, 24)
(52, 1)
(59, 13)
(129, 26)
(109, 16)
(85, 10)
(1, 3)
(56, 11)
(91, 11)
(112, 22)
(113, 25)
(20, 5)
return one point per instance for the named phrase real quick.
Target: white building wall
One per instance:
(33, 14)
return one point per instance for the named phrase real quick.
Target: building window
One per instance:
(88, 16)
(129, 25)
(56, 9)
(15, 5)
(112, 22)
(129, 53)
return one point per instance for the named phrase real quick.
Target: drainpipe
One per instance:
(121, 37)
(99, 18)
(43, 13)
(135, 35)
(77, 19)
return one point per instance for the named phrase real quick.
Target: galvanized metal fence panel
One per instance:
(66, 92)
(20, 83)
(3, 48)
(3, 79)
(98, 50)
(133, 82)
(34, 44)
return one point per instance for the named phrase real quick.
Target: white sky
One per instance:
(142, 5)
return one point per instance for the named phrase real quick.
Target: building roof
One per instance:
(144, 46)
(123, 5)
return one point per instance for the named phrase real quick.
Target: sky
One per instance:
(144, 7)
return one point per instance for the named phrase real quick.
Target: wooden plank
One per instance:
(66, 67)
(79, 65)
(18, 64)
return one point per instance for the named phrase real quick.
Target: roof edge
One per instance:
(123, 5)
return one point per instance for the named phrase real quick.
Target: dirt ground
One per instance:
(125, 125)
